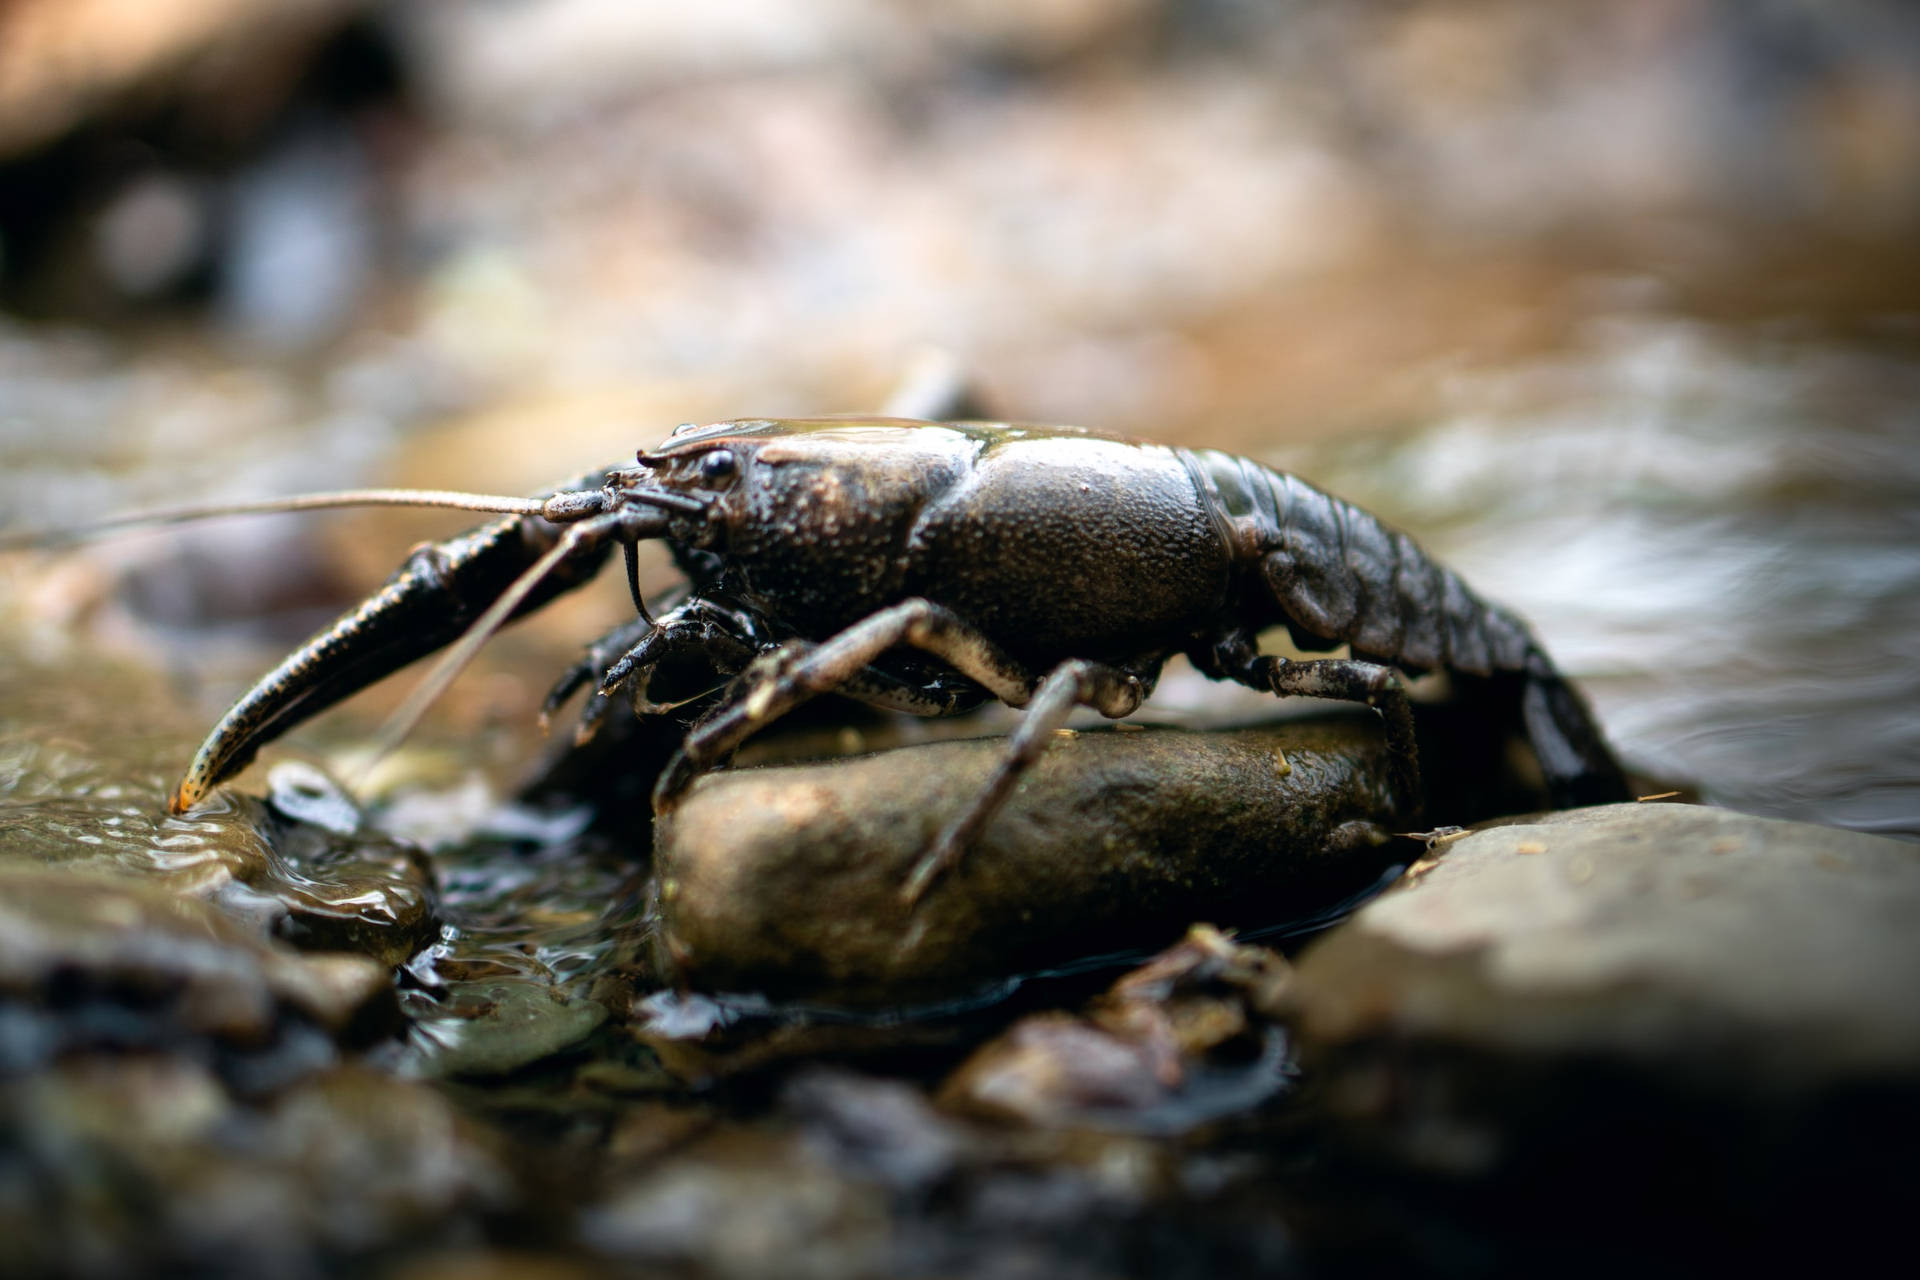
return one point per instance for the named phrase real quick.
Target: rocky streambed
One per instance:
(271, 1036)
(1618, 321)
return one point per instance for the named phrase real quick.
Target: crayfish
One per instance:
(929, 567)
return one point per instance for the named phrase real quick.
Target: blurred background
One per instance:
(1615, 306)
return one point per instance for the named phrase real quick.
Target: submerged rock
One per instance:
(1702, 1022)
(510, 1025)
(535, 947)
(787, 881)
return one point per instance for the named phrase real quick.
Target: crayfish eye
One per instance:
(718, 466)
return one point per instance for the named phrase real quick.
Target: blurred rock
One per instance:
(152, 234)
(786, 881)
(300, 245)
(89, 962)
(493, 1264)
(882, 1131)
(155, 158)
(173, 1099)
(1699, 1025)
(142, 1165)
(1184, 1039)
(739, 1204)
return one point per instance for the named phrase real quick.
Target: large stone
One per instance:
(1691, 1020)
(787, 880)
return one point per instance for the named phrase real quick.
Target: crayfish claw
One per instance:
(178, 801)
(616, 675)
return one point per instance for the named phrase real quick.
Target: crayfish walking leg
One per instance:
(801, 670)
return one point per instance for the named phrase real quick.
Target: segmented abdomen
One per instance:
(1341, 576)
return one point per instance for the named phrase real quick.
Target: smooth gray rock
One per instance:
(1697, 1028)
(786, 880)
(1771, 948)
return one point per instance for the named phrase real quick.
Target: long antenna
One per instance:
(447, 498)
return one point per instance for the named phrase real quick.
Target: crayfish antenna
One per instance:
(450, 499)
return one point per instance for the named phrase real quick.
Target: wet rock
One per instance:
(1702, 1021)
(1184, 1039)
(1679, 930)
(699, 1039)
(89, 963)
(787, 880)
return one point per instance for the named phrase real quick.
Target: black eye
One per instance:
(717, 466)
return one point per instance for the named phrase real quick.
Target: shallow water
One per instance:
(1717, 530)
(87, 745)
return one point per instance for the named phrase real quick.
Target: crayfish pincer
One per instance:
(929, 567)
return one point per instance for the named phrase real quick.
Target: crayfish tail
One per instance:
(1574, 757)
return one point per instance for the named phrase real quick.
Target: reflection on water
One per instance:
(1718, 532)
